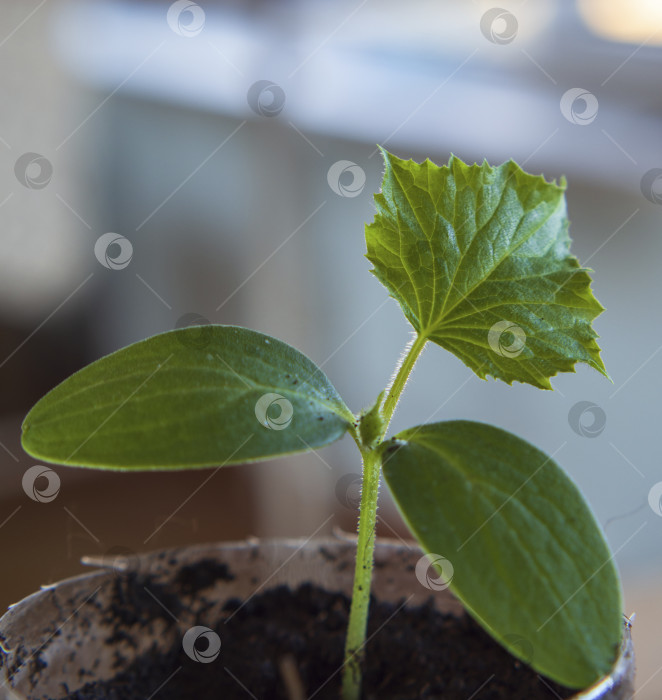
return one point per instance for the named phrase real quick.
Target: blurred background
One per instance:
(229, 148)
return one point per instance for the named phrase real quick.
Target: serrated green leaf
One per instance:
(479, 260)
(529, 561)
(193, 397)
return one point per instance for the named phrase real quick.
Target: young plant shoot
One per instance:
(479, 260)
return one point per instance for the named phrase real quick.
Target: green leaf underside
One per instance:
(187, 398)
(462, 248)
(529, 560)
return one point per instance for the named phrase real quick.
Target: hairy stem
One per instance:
(407, 363)
(358, 616)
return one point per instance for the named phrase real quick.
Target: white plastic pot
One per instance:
(67, 625)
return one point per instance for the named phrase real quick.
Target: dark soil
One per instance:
(411, 653)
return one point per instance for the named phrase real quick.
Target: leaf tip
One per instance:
(599, 365)
(26, 434)
(386, 156)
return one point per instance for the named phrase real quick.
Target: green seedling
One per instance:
(478, 258)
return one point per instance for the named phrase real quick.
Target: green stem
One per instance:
(410, 355)
(358, 615)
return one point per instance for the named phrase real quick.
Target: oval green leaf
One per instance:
(194, 397)
(478, 257)
(529, 561)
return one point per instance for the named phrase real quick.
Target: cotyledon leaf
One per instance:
(528, 560)
(478, 257)
(194, 397)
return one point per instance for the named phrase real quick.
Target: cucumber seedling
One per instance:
(478, 258)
